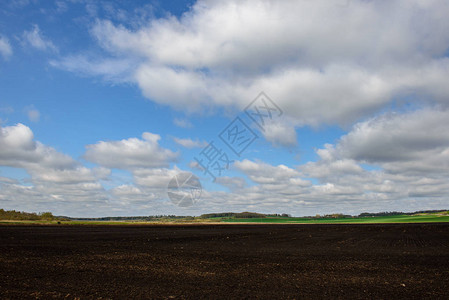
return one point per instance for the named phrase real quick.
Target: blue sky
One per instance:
(103, 102)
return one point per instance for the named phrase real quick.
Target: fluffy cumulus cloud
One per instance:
(264, 173)
(19, 149)
(343, 185)
(343, 182)
(321, 61)
(409, 152)
(415, 142)
(131, 153)
(55, 177)
(280, 133)
(268, 188)
(58, 181)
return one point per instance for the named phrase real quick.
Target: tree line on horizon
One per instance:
(48, 216)
(25, 216)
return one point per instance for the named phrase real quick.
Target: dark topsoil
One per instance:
(408, 261)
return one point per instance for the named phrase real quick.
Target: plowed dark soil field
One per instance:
(407, 261)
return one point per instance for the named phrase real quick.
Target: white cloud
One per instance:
(410, 153)
(194, 165)
(5, 48)
(233, 183)
(280, 133)
(352, 62)
(127, 190)
(77, 174)
(66, 187)
(264, 173)
(156, 178)
(401, 143)
(132, 153)
(327, 168)
(183, 123)
(35, 38)
(56, 179)
(189, 143)
(18, 149)
(344, 185)
(131, 195)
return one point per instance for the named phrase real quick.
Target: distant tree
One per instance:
(247, 215)
(218, 215)
(48, 216)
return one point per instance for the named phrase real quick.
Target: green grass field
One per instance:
(388, 219)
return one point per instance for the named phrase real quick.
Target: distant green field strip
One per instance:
(387, 219)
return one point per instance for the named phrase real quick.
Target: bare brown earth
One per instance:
(407, 261)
